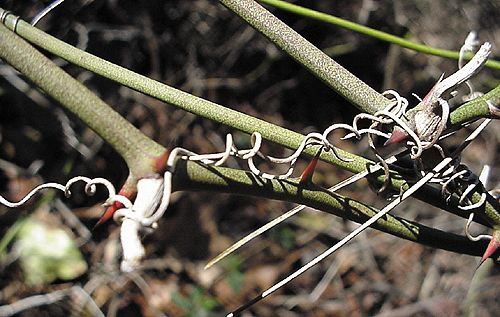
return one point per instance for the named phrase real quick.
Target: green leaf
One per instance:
(48, 253)
(196, 304)
(234, 276)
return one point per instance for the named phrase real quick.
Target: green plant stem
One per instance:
(226, 116)
(321, 65)
(127, 140)
(488, 105)
(194, 176)
(318, 63)
(176, 97)
(191, 176)
(473, 302)
(383, 36)
(188, 102)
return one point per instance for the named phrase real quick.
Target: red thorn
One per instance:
(160, 163)
(110, 211)
(398, 135)
(128, 190)
(307, 174)
(492, 247)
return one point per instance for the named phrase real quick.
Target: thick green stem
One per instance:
(127, 140)
(176, 97)
(383, 36)
(138, 149)
(321, 65)
(488, 105)
(223, 115)
(194, 176)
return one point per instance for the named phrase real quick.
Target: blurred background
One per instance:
(47, 248)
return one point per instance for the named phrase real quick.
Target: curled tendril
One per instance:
(470, 236)
(399, 106)
(445, 172)
(45, 11)
(481, 201)
(389, 116)
(120, 199)
(446, 183)
(90, 189)
(32, 193)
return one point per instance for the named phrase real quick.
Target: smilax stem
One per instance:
(136, 149)
(206, 109)
(140, 153)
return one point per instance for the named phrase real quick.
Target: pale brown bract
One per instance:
(429, 118)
